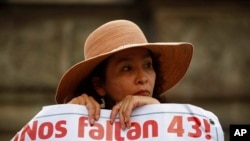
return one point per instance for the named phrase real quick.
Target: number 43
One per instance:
(176, 126)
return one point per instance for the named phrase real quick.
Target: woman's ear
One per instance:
(98, 86)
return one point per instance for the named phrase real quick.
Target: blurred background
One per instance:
(41, 39)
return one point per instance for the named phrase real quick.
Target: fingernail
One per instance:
(128, 124)
(125, 119)
(122, 126)
(97, 117)
(92, 121)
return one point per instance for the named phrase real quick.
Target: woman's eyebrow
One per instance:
(127, 59)
(147, 56)
(123, 59)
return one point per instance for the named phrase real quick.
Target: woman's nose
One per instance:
(141, 77)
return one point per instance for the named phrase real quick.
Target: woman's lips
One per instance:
(143, 93)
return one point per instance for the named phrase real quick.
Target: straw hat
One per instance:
(118, 35)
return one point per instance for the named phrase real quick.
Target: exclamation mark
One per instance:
(207, 129)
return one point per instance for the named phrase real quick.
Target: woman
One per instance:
(122, 71)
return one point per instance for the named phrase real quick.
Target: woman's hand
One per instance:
(92, 105)
(126, 106)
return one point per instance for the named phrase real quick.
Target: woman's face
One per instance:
(129, 72)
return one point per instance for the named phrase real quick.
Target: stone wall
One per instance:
(218, 77)
(40, 41)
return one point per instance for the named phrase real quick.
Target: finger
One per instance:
(125, 114)
(91, 104)
(129, 104)
(78, 100)
(97, 108)
(73, 101)
(114, 112)
(122, 116)
(92, 109)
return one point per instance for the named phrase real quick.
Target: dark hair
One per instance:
(159, 76)
(86, 86)
(100, 71)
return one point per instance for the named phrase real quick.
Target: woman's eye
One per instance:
(148, 65)
(126, 68)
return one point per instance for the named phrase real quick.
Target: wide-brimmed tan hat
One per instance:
(118, 35)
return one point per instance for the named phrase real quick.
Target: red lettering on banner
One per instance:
(30, 131)
(154, 128)
(43, 131)
(176, 126)
(61, 129)
(113, 131)
(82, 122)
(196, 127)
(15, 138)
(97, 133)
(207, 129)
(134, 132)
(109, 131)
(118, 132)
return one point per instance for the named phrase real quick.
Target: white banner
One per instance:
(169, 122)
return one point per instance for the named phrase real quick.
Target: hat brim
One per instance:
(174, 61)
